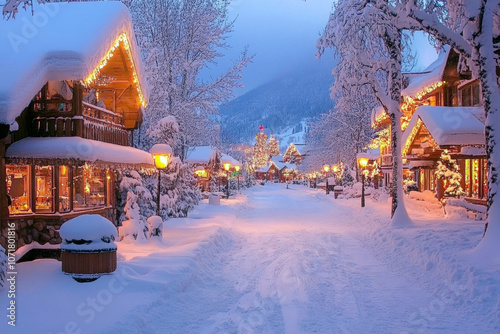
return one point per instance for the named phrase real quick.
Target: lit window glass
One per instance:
(475, 178)
(88, 187)
(467, 177)
(18, 188)
(64, 189)
(44, 201)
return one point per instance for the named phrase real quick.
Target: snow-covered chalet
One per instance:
(443, 110)
(72, 90)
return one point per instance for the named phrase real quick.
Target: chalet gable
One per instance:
(88, 42)
(433, 128)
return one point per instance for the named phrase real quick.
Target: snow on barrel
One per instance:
(88, 248)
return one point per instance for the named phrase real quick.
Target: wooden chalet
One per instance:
(206, 162)
(69, 101)
(442, 109)
(293, 155)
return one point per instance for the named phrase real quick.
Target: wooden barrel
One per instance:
(88, 263)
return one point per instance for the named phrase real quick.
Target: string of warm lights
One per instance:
(94, 76)
(411, 137)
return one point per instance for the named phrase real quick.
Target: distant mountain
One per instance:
(280, 105)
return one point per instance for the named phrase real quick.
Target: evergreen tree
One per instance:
(448, 171)
(178, 195)
(273, 147)
(260, 155)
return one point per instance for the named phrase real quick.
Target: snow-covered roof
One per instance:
(62, 41)
(450, 125)
(378, 114)
(278, 163)
(432, 74)
(200, 154)
(229, 159)
(77, 148)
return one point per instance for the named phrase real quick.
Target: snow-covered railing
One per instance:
(102, 114)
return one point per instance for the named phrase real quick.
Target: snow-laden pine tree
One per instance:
(273, 147)
(369, 43)
(135, 204)
(260, 155)
(472, 28)
(448, 171)
(179, 195)
(180, 39)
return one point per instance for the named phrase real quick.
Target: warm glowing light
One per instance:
(161, 161)
(411, 137)
(161, 154)
(237, 168)
(363, 162)
(227, 165)
(326, 168)
(123, 40)
(335, 168)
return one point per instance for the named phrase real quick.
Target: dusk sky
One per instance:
(282, 36)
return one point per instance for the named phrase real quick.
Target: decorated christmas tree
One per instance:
(448, 171)
(273, 147)
(260, 154)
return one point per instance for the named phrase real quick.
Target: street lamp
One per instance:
(363, 162)
(237, 169)
(161, 154)
(227, 166)
(326, 168)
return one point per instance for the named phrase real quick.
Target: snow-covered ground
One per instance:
(277, 260)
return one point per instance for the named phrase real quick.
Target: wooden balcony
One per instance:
(95, 123)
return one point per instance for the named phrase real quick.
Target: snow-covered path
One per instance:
(276, 260)
(289, 261)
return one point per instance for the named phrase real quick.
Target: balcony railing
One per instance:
(96, 123)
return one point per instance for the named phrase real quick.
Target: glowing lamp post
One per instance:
(227, 166)
(363, 162)
(326, 168)
(161, 154)
(237, 169)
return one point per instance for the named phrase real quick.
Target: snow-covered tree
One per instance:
(135, 204)
(260, 155)
(369, 42)
(179, 39)
(273, 147)
(344, 131)
(167, 132)
(472, 28)
(448, 171)
(179, 194)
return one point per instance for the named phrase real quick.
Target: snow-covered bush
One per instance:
(132, 230)
(135, 203)
(3, 266)
(155, 225)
